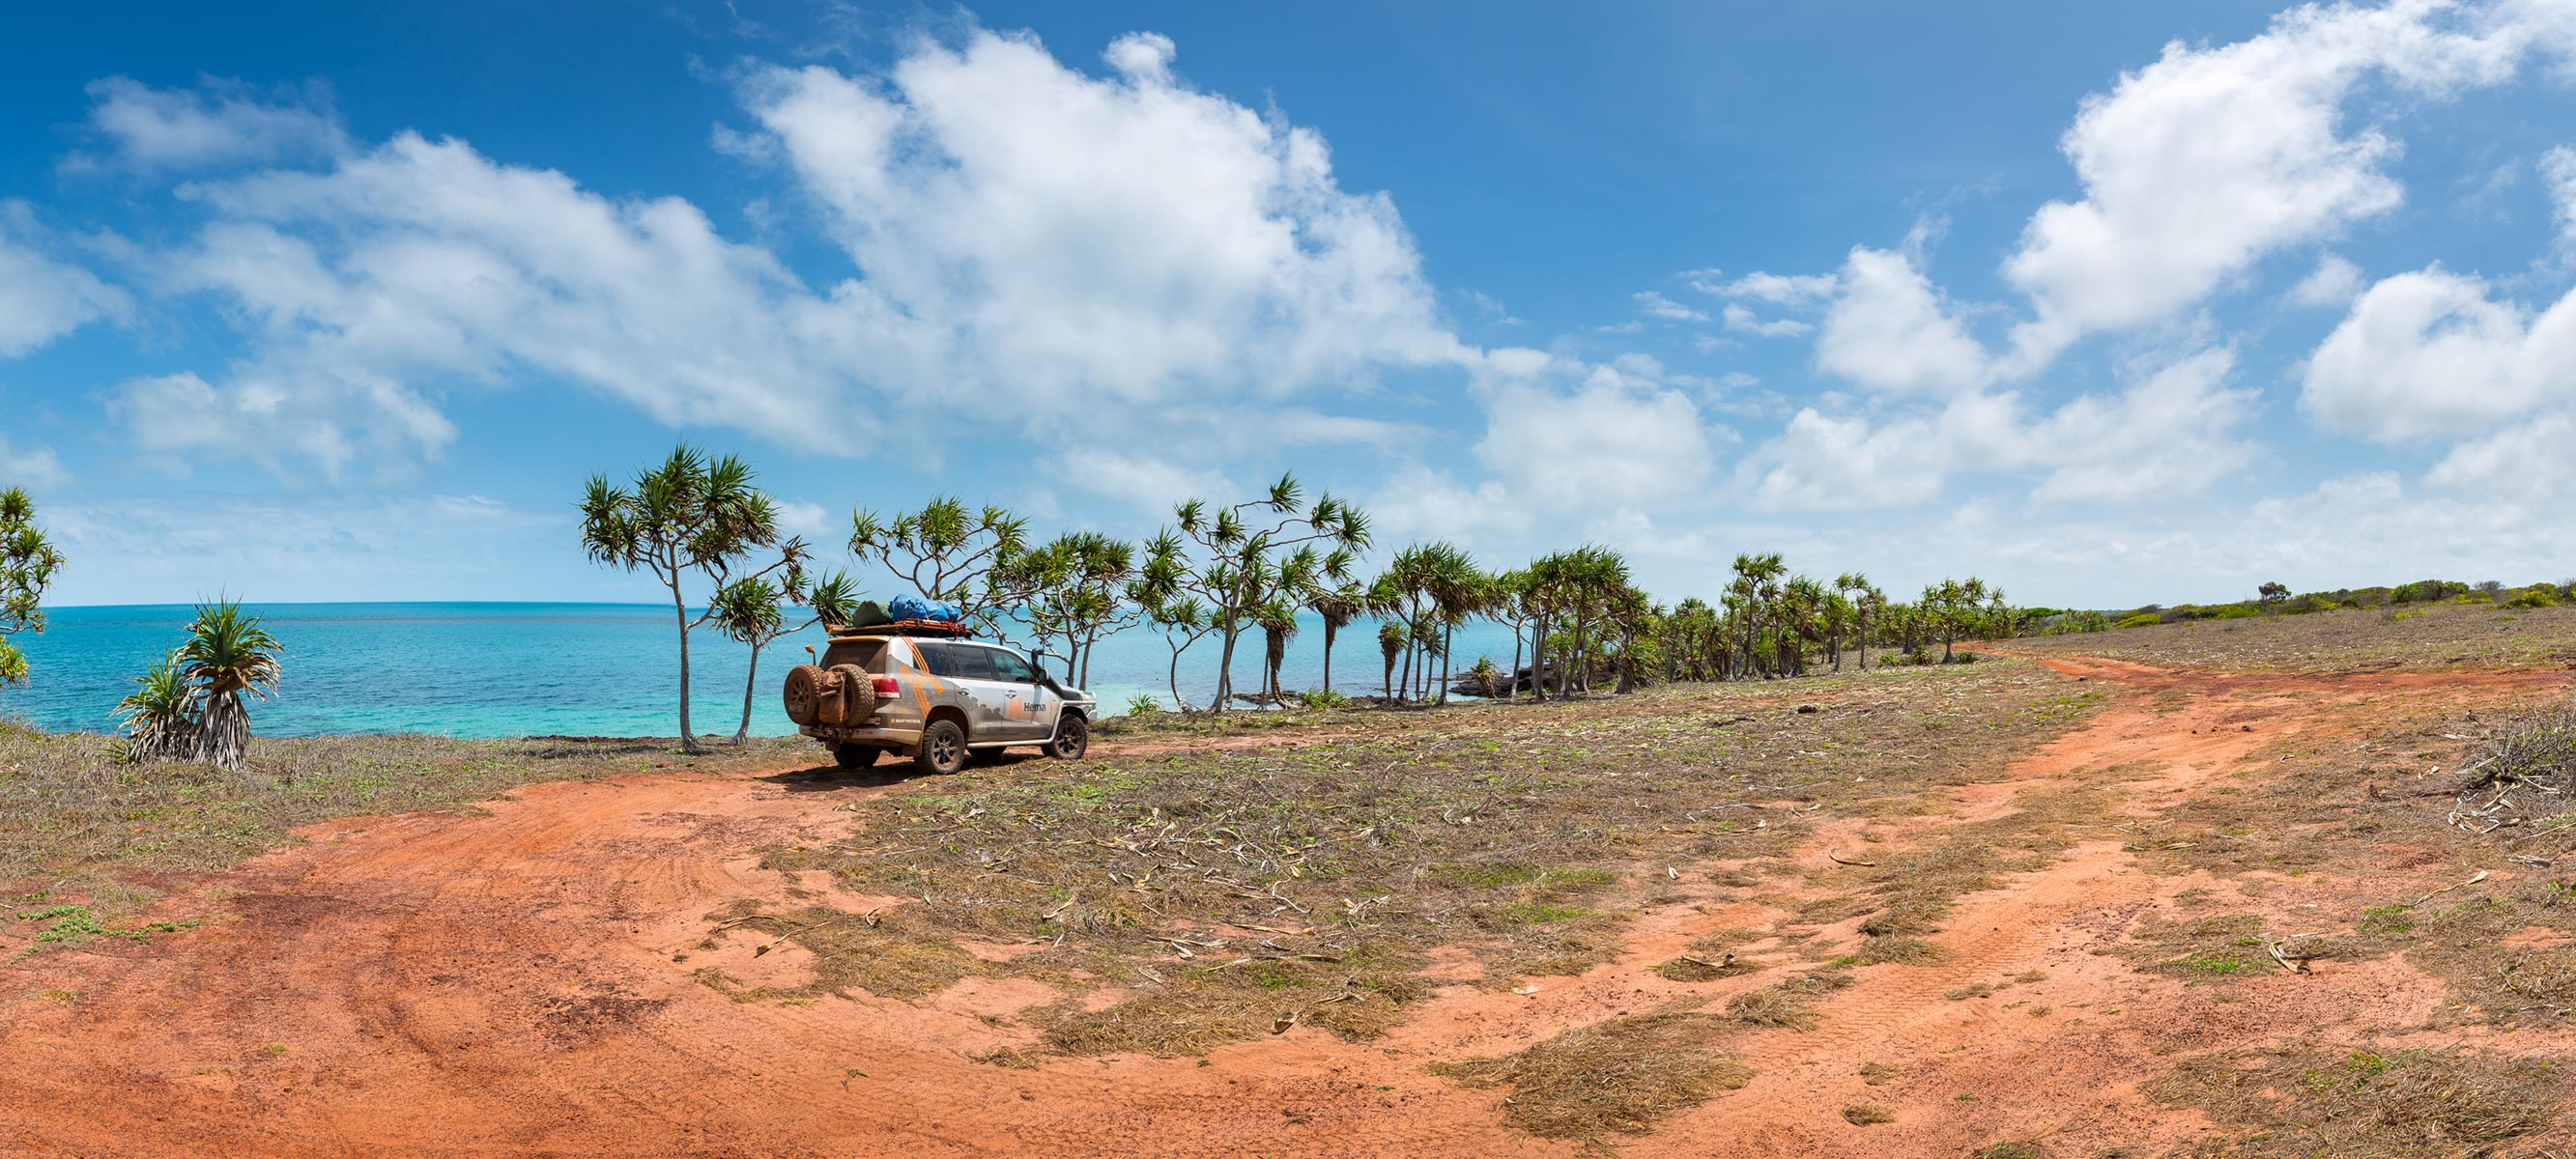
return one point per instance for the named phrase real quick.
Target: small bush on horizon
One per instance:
(1143, 705)
(2141, 620)
(1322, 698)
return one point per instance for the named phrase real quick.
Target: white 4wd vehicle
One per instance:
(932, 697)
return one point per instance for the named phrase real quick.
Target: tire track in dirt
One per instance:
(2076, 1089)
(392, 988)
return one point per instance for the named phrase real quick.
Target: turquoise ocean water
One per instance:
(488, 669)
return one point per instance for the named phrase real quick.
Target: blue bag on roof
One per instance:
(917, 608)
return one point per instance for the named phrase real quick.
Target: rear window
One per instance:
(867, 654)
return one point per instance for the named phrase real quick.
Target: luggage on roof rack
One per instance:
(900, 628)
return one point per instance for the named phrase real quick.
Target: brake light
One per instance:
(886, 686)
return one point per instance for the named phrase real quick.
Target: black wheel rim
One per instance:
(1068, 740)
(943, 749)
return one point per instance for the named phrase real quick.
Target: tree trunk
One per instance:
(1513, 688)
(1448, 639)
(1225, 668)
(680, 614)
(750, 684)
(1538, 658)
(1328, 657)
(1409, 648)
(223, 730)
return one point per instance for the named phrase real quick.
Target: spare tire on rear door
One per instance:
(808, 690)
(857, 694)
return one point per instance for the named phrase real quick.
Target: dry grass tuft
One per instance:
(2012, 1149)
(2306, 1100)
(1902, 950)
(1867, 1114)
(891, 956)
(1698, 969)
(1788, 1004)
(1620, 1076)
(2217, 948)
(1879, 1074)
(1012, 1057)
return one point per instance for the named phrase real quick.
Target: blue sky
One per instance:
(2107, 303)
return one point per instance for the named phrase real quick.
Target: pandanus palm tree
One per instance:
(1457, 588)
(229, 652)
(1278, 620)
(691, 514)
(1338, 605)
(160, 713)
(1390, 643)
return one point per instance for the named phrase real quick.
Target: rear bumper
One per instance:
(875, 736)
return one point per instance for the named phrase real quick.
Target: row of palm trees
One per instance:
(189, 704)
(1579, 617)
(1222, 571)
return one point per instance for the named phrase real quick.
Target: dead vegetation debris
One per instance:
(1622, 1076)
(2309, 1099)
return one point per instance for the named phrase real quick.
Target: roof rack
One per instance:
(899, 628)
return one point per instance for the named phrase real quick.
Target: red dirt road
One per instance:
(506, 984)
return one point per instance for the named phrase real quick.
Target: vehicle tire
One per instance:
(807, 688)
(1072, 738)
(851, 758)
(943, 748)
(858, 699)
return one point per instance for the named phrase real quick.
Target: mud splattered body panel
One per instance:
(992, 692)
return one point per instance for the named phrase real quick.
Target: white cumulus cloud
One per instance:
(1567, 436)
(42, 297)
(31, 465)
(1891, 330)
(2558, 168)
(218, 124)
(1026, 243)
(1744, 321)
(2197, 165)
(1046, 240)
(1658, 306)
(2335, 282)
(2432, 353)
